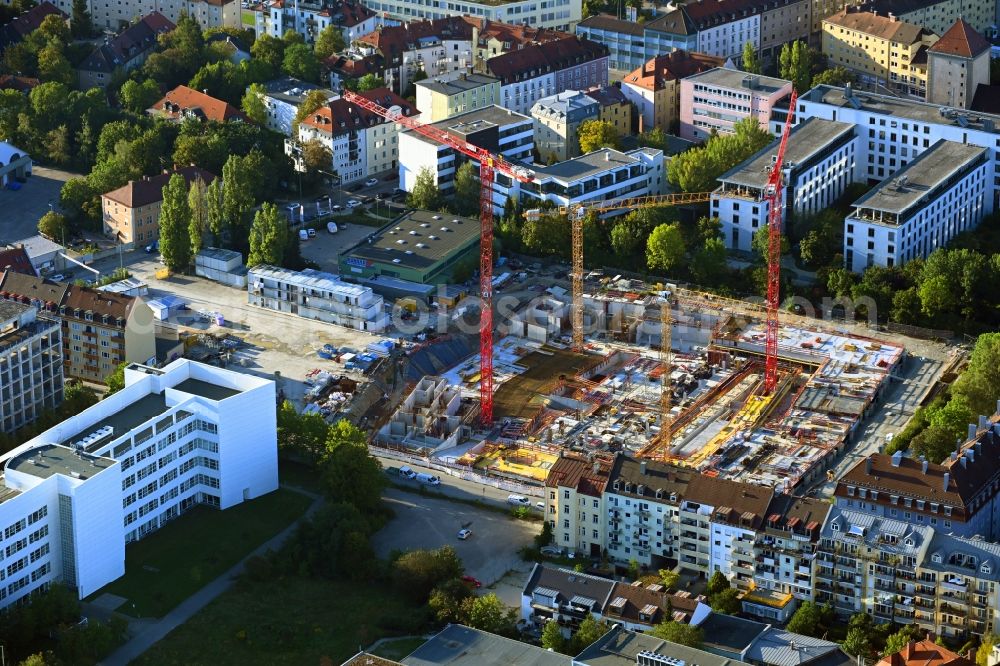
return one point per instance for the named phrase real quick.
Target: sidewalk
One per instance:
(152, 631)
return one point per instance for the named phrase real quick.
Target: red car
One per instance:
(472, 581)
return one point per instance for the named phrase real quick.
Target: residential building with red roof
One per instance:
(125, 52)
(309, 18)
(22, 84)
(655, 88)
(15, 258)
(362, 143)
(27, 22)
(575, 503)
(183, 102)
(957, 65)
(927, 653)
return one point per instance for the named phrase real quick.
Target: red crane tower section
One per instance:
(489, 166)
(773, 195)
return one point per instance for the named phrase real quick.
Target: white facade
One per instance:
(73, 496)
(317, 295)
(558, 14)
(31, 365)
(307, 19)
(281, 103)
(381, 148)
(349, 149)
(14, 163)
(640, 529)
(520, 96)
(727, 39)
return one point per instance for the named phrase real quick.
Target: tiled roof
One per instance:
(672, 66)
(393, 41)
(677, 22)
(735, 502)
(17, 286)
(607, 95)
(636, 598)
(875, 25)
(925, 653)
(961, 40)
(570, 585)
(355, 68)
(552, 56)
(182, 99)
(612, 24)
(150, 190)
(342, 116)
(27, 22)
(518, 35)
(20, 83)
(16, 259)
(98, 302)
(129, 44)
(653, 476)
(587, 477)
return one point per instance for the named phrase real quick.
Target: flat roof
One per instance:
(475, 121)
(923, 177)
(588, 165)
(458, 645)
(418, 239)
(129, 417)
(11, 310)
(733, 78)
(219, 253)
(310, 278)
(292, 91)
(206, 390)
(621, 647)
(905, 109)
(806, 141)
(457, 83)
(48, 459)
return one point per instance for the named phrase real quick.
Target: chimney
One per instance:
(972, 431)
(923, 467)
(947, 480)
(897, 458)
(642, 468)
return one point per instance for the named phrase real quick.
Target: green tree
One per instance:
(669, 579)
(488, 613)
(350, 473)
(81, 24)
(553, 639)
(751, 63)
(416, 573)
(301, 63)
(985, 650)
(198, 204)
(665, 247)
(630, 233)
(544, 538)
(330, 41)
(314, 99)
(253, 103)
(268, 237)
(897, 641)
(697, 169)
(447, 598)
(466, 199)
(269, 50)
(833, 76)
(761, 243)
(596, 134)
(810, 619)
(708, 266)
(116, 380)
(857, 642)
(795, 65)
(425, 194)
(717, 583)
(653, 138)
(53, 66)
(53, 225)
(52, 29)
(370, 82)
(301, 436)
(291, 38)
(237, 192)
(678, 632)
(137, 97)
(316, 156)
(979, 385)
(727, 601)
(215, 216)
(175, 218)
(589, 632)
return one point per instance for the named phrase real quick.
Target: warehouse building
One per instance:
(421, 246)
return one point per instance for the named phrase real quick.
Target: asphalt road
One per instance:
(453, 486)
(425, 522)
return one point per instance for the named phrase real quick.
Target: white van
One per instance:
(303, 235)
(406, 472)
(518, 500)
(331, 227)
(429, 479)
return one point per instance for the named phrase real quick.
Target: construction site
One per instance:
(702, 405)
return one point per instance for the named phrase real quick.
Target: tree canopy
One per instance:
(751, 63)
(665, 247)
(697, 169)
(596, 134)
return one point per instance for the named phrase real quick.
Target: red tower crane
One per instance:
(489, 166)
(773, 195)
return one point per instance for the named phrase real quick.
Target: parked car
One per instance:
(429, 479)
(463, 535)
(331, 227)
(58, 277)
(551, 551)
(337, 208)
(312, 232)
(469, 579)
(353, 203)
(540, 506)
(303, 235)
(153, 247)
(406, 472)
(518, 500)
(371, 182)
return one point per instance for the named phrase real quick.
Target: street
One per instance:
(454, 486)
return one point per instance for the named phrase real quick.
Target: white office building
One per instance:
(282, 99)
(31, 365)
(920, 208)
(598, 176)
(558, 14)
(72, 497)
(821, 160)
(317, 295)
(496, 129)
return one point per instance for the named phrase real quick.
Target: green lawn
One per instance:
(290, 621)
(299, 475)
(168, 566)
(249, 19)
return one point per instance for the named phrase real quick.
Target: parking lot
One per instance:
(325, 248)
(22, 209)
(426, 522)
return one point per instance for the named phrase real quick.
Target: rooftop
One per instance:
(149, 190)
(49, 459)
(779, 647)
(591, 164)
(418, 239)
(589, 478)
(566, 103)
(621, 647)
(206, 390)
(728, 633)
(537, 59)
(878, 25)
(569, 587)
(11, 310)
(465, 124)
(961, 40)
(291, 90)
(921, 179)
(311, 278)
(808, 140)
(340, 115)
(458, 645)
(925, 653)
(671, 66)
(456, 83)
(132, 42)
(183, 101)
(734, 78)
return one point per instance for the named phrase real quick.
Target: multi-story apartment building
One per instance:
(28, 21)
(310, 17)
(183, 103)
(715, 100)
(131, 214)
(564, 596)
(867, 563)
(575, 506)
(313, 294)
(72, 497)
(882, 51)
(938, 195)
(282, 98)
(557, 14)
(501, 131)
(957, 65)
(100, 329)
(958, 587)
(125, 52)
(493, 38)
(452, 94)
(654, 87)
(614, 108)
(598, 176)
(630, 44)
(540, 70)
(939, 15)
(959, 496)
(361, 143)
(31, 369)
(114, 15)
(821, 160)
(557, 123)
